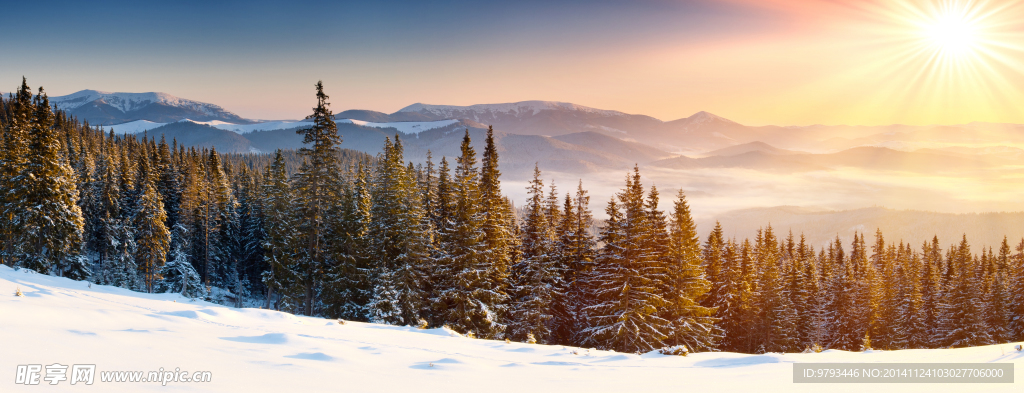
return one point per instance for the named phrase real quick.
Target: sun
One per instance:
(952, 31)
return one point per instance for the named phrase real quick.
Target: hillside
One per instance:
(203, 136)
(247, 349)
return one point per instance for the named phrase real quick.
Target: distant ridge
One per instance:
(106, 108)
(749, 147)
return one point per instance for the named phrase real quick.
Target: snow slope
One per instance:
(407, 127)
(251, 350)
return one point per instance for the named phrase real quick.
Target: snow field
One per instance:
(251, 350)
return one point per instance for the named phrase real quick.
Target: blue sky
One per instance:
(757, 62)
(373, 55)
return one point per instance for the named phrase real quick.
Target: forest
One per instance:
(324, 231)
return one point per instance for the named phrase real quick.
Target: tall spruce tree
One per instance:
(14, 158)
(576, 250)
(628, 279)
(693, 325)
(778, 317)
(465, 298)
(316, 192)
(151, 236)
(536, 276)
(399, 246)
(498, 221)
(48, 217)
(280, 241)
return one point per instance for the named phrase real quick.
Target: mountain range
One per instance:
(725, 168)
(572, 138)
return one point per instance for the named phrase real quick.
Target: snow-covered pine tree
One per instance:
(628, 279)
(315, 196)
(742, 329)
(465, 299)
(715, 269)
(931, 290)
(498, 224)
(178, 275)
(794, 268)
(794, 262)
(399, 241)
(222, 241)
(917, 328)
(250, 214)
(693, 325)
(536, 278)
(45, 199)
(963, 324)
(1015, 265)
(279, 244)
(996, 300)
(866, 293)
(576, 250)
(347, 282)
(845, 333)
(14, 158)
(778, 318)
(894, 296)
(152, 238)
(816, 316)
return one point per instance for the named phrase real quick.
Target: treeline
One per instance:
(331, 233)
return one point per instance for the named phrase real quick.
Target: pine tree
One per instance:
(465, 299)
(716, 269)
(778, 318)
(576, 250)
(48, 217)
(917, 328)
(279, 243)
(817, 315)
(178, 275)
(151, 236)
(693, 325)
(14, 159)
(845, 334)
(931, 289)
(399, 247)
(628, 279)
(250, 215)
(996, 299)
(348, 284)
(536, 276)
(314, 196)
(963, 324)
(741, 319)
(1015, 264)
(498, 222)
(221, 227)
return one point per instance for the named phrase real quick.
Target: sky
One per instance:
(866, 62)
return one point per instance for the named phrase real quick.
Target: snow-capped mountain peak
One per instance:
(101, 107)
(127, 102)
